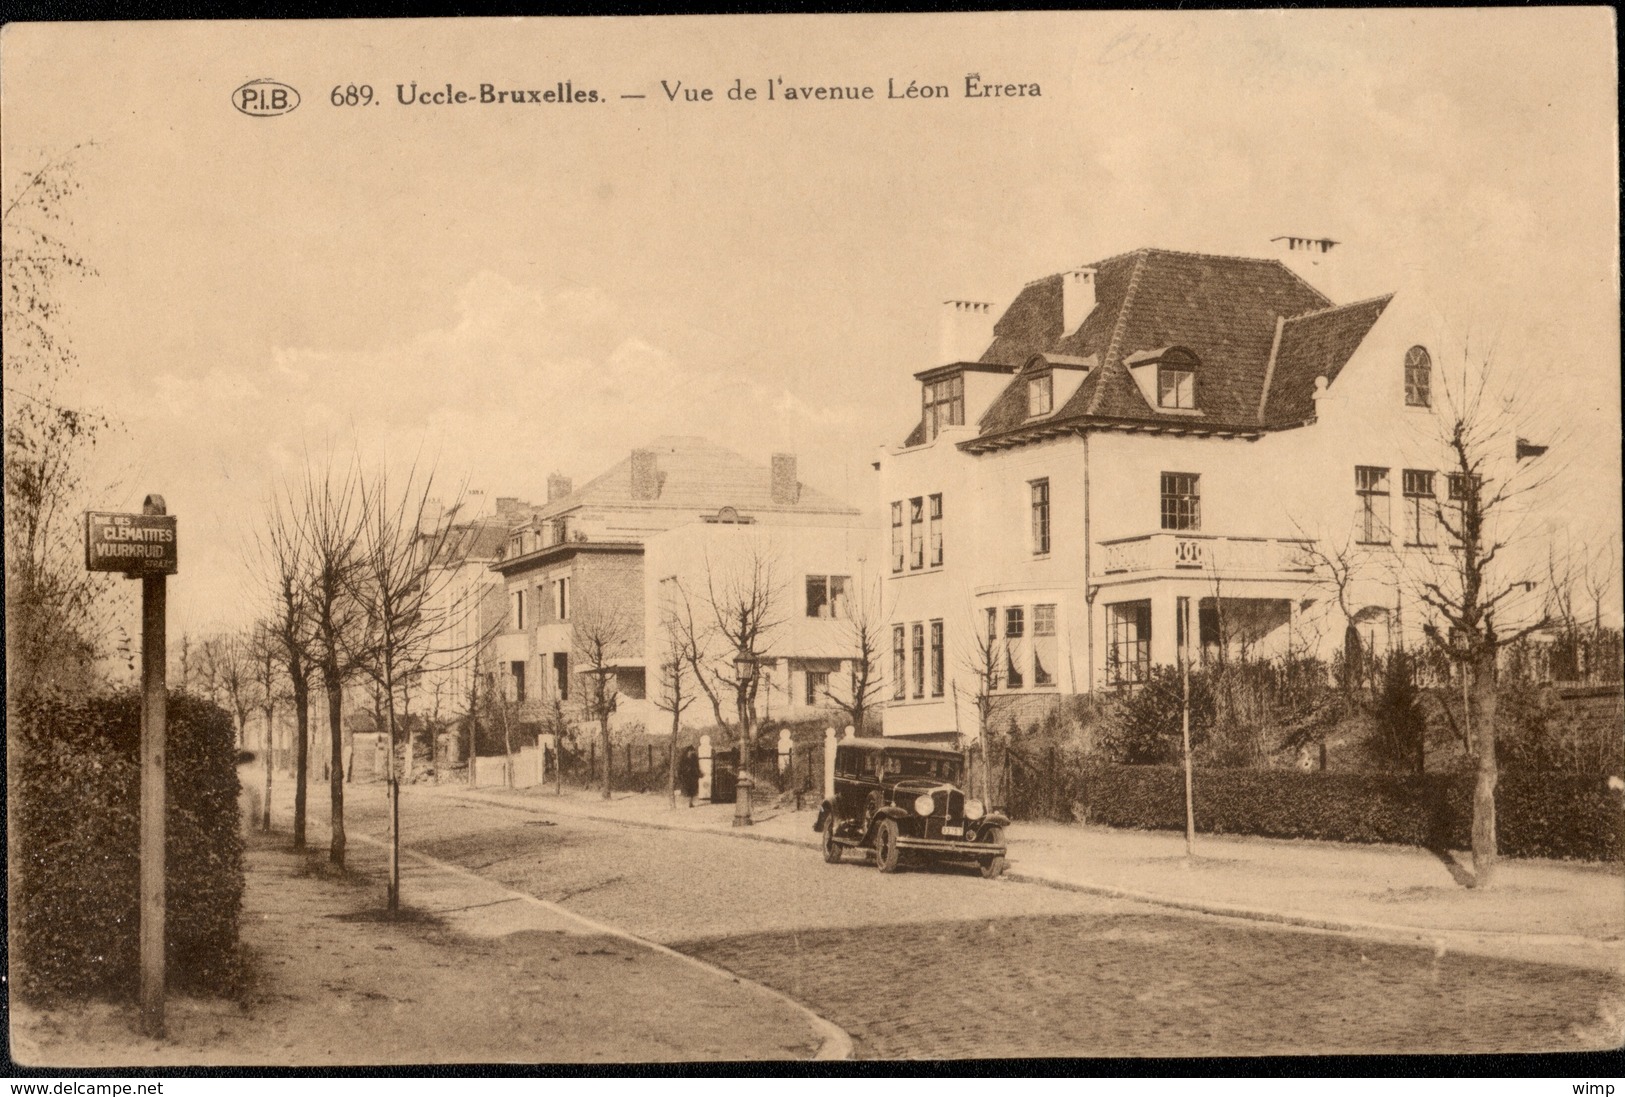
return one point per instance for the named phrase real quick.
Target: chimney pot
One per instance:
(558, 486)
(1077, 298)
(645, 475)
(786, 489)
(964, 331)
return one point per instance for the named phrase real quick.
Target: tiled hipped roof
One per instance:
(693, 474)
(1223, 310)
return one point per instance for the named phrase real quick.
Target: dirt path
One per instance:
(474, 974)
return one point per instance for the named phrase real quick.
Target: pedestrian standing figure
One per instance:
(688, 774)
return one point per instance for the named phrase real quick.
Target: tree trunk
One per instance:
(394, 886)
(335, 776)
(1484, 698)
(270, 753)
(609, 754)
(301, 764)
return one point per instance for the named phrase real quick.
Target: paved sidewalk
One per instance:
(1545, 911)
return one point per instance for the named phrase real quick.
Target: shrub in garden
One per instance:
(1545, 815)
(74, 854)
(1146, 727)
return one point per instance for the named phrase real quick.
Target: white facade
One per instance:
(1071, 615)
(817, 575)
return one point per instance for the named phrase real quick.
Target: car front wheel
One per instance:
(832, 848)
(886, 852)
(993, 866)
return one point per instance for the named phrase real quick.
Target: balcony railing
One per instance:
(1207, 552)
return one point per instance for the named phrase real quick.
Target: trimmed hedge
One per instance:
(75, 869)
(1537, 815)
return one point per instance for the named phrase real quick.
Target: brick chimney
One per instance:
(507, 504)
(645, 475)
(1077, 298)
(558, 486)
(965, 329)
(786, 489)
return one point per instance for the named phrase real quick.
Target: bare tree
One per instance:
(289, 634)
(269, 691)
(695, 641)
(331, 522)
(982, 658)
(672, 697)
(746, 602)
(228, 676)
(1481, 604)
(865, 635)
(604, 634)
(396, 581)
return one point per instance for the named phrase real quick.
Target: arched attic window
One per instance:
(1418, 378)
(1176, 379)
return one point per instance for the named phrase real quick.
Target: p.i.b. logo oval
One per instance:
(265, 98)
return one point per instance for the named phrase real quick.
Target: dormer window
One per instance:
(944, 403)
(1166, 377)
(1040, 394)
(1176, 383)
(1418, 378)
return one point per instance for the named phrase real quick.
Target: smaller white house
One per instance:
(816, 581)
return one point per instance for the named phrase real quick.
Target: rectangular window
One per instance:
(519, 611)
(897, 536)
(1044, 645)
(817, 596)
(1040, 507)
(1418, 378)
(936, 531)
(1128, 642)
(943, 404)
(517, 669)
(936, 659)
(1015, 647)
(1176, 388)
(1041, 395)
(916, 533)
(827, 595)
(1420, 520)
(840, 587)
(817, 687)
(918, 636)
(899, 669)
(1181, 501)
(561, 598)
(1371, 488)
(561, 675)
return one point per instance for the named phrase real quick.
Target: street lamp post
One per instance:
(745, 668)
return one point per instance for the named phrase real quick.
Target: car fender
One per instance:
(824, 808)
(890, 811)
(995, 819)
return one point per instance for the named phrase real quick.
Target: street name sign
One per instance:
(135, 544)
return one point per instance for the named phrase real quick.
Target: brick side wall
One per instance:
(612, 584)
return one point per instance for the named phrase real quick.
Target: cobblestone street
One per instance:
(945, 964)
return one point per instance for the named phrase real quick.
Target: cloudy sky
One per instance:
(517, 290)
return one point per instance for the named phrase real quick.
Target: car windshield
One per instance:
(922, 765)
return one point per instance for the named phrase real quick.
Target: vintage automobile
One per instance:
(896, 799)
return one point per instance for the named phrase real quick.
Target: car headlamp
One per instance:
(974, 809)
(924, 804)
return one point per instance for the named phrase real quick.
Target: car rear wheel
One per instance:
(993, 866)
(832, 848)
(886, 851)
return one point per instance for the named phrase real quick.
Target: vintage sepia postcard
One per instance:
(729, 539)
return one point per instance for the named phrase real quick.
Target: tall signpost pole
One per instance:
(154, 728)
(143, 546)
